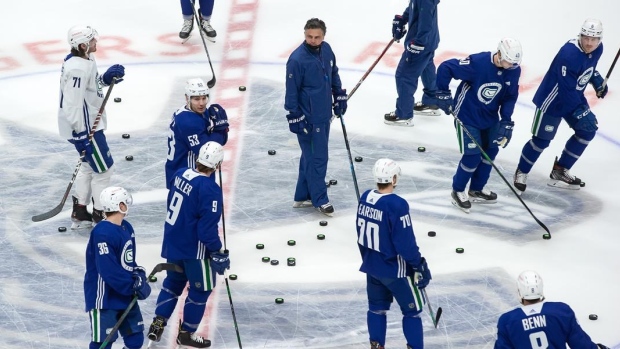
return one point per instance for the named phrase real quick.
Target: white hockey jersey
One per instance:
(81, 96)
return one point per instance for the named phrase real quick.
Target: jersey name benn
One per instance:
(534, 322)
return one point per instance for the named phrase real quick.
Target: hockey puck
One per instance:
(546, 236)
(333, 182)
(421, 149)
(290, 262)
(126, 136)
(266, 259)
(129, 158)
(279, 300)
(232, 276)
(323, 223)
(62, 229)
(432, 233)
(242, 88)
(274, 262)
(327, 184)
(593, 317)
(320, 237)
(260, 246)
(291, 242)
(582, 184)
(460, 250)
(358, 159)
(271, 152)
(153, 278)
(117, 99)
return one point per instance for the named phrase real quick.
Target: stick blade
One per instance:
(211, 82)
(437, 317)
(47, 215)
(166, 266)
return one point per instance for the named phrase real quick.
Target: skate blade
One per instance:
(427, 112)
(481, 201)
(466, 210)
(81, 225)
(562, 185)
(405, 123)
(150, 345)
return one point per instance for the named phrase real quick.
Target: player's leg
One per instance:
(132, 328)
(101, 321)
(411, 304)
(302, 191)
(317, 168)
(206, 10)
(188, 19)
(201, 282)
(171, 290)
(467, 166)
(407, 76)
(80, 216)
(379, 301)
(428, 106)
(479, 179)
(101, 162)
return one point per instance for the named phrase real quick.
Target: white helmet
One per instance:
(385, 170)
(511, 51)
(81, 34)
(111, 198)
(196, 87)
(592, 27)
(211, 155)
(530, 285)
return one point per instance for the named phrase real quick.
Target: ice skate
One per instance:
(423, 109)
(98, 216)
(80, 216)
(156, 330)
(326, 209)
(302, 204)
(186, 30)
(189, 340)
(483, 196)
(393, 120)
(519, 181)
(460, 200)
(210, 33)
(376, 345)
(560, 177)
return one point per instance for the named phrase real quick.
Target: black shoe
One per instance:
(560, 177)
(482, 196)
(460, 200)
(392, 119)
(80, 216)
(520, 180)
(191, 339)
(326, 209)
(98, 216)
(424, 109)
(157, 328)
(188, 26)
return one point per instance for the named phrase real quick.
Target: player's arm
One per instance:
(336, 82)
(72, 99)
(457, 69)
(193, 132)
(507, 105)
(403, 236)
(210, 213)
(107, 250)
(577, 337)
(503, 339)
(567, 76)
(293, 86)
(426, 13)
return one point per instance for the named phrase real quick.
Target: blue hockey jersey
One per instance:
(561, 90)
(485, 91)
(188, 132)
(311, 78)
(542, 325)
(110, 259)
(385, 236)
(194, 210)
(422, 24)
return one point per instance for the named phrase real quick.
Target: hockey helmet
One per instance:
(530, 285)
(111, 198)
(196, 87)
(385, 170)
(211, 155)
(81, 34)
(511, 51)
(592, 27)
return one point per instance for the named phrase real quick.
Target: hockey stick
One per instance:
(486, 157)
(159, 267)
(346, 142)
(232, 307)
(211, 82)
(613, 64)
(56, 210)
(370, 69)
(434, 316)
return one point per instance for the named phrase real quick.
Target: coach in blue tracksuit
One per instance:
(312, 81)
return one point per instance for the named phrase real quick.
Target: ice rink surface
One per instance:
(41, 294)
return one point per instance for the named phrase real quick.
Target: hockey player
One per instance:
(489, 88)
(81, 97)
(390, 258)
(112, 276)
(560, 96)
(191, 240)
(538, 323)
(205, 11)
(311, 80)
(192, 126)
(421, 41)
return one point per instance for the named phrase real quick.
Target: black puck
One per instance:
(274, 262)
(582, 184)
(242, 88)
(117, 99)
(279, 300)
(266, 259)
(290, 262)
(62, 229)
(546, 236)
(432, 233)
(320, 237)
(323, 223)
(271, 152)
(129, 158)
(153, 278)
(327, 184)
(460, 250)
(126, 136)
(593, 317)
(291, 242)
(358, 159)
(232, 276)
(333, 182)
(260, 246)
(421, 149)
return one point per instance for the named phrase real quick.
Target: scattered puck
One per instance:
(274, 262)
(260, 246)
(279, 300)
(242, 88)
(290, 262)
(62, 229)
(421, 149)
(266, 259)
(546, 236)
(271, 152)
(117, 99)
(320, 237)
(593, 317)
(129, 158)
(153, 278)
(432, 233)
(333, 181)
(327, 184)
(460, 250)
(358, 159)
(232, 276)
(291, 242)
(323, 223)
(126, 136)
(582, 184)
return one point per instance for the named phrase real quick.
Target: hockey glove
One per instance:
(297, 123)
(219, 119)
(220, 261)
(413, 51)
(398, 27)
(82, 143)
(422, 275)
(116, 71)
(504, 133)
(340, 102)
(140, 283)
(583, 119)
(597, 82)
(444, 101)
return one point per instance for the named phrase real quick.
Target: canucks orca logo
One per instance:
(584, 78)
(127, 261)
(487, 92)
